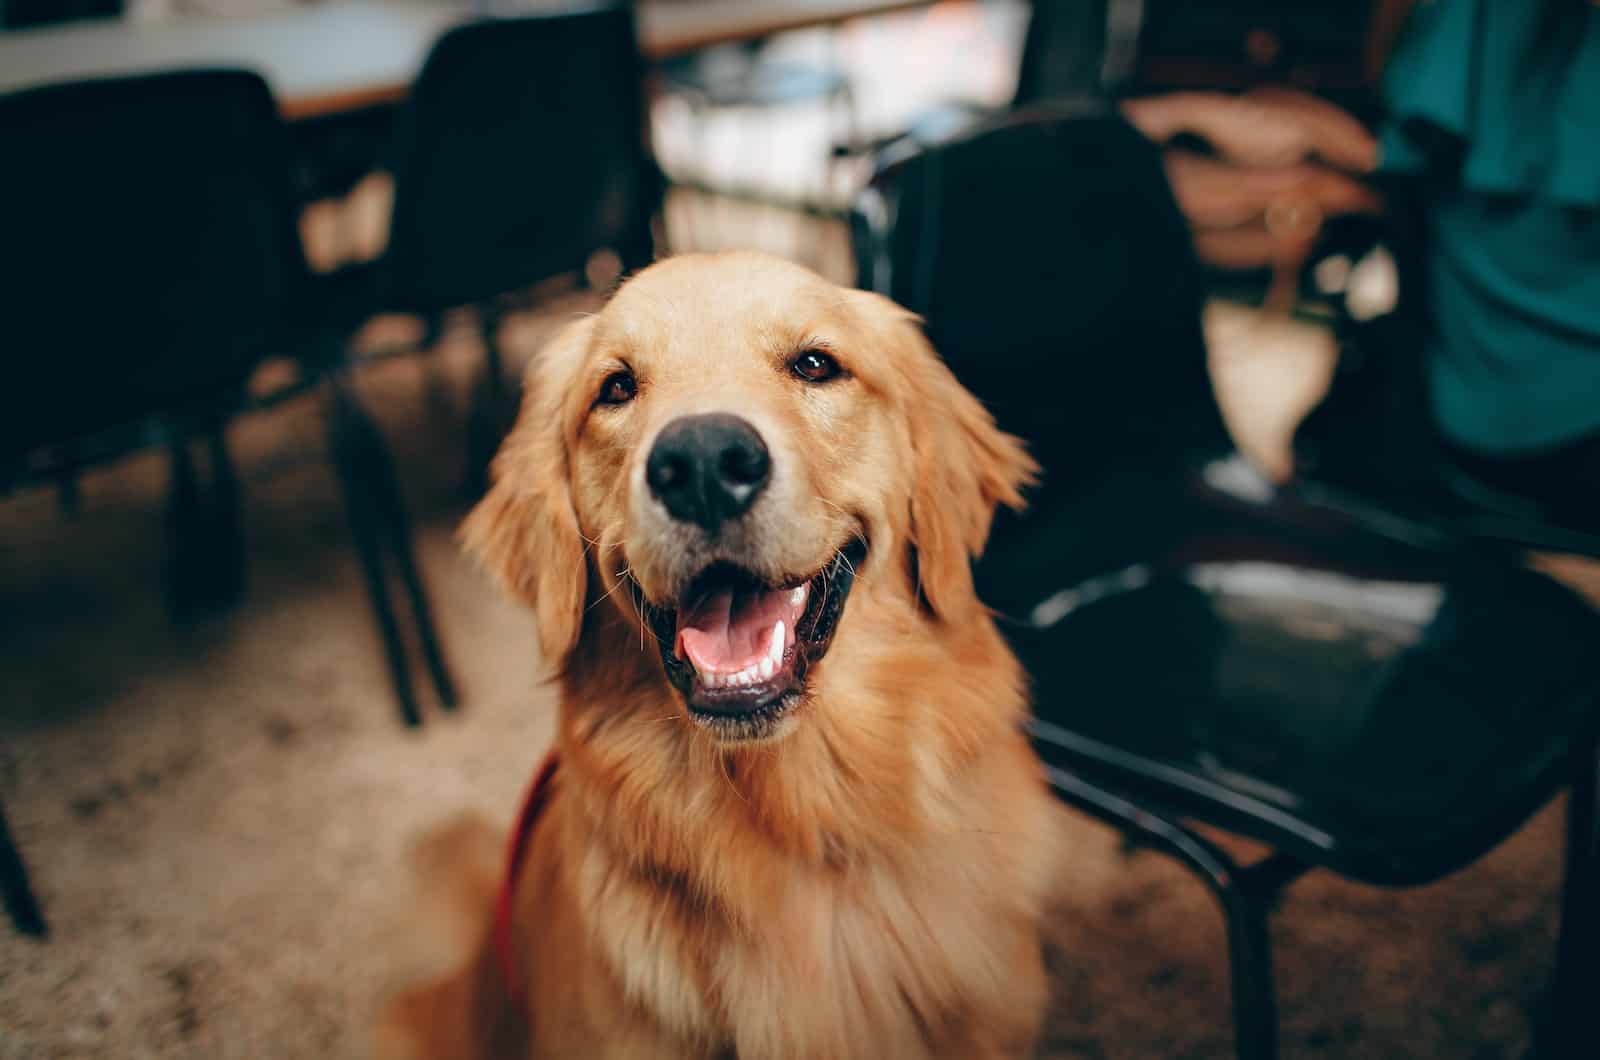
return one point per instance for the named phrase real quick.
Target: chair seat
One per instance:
(1372, 704)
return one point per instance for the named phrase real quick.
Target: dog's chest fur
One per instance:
(873, 886)
(894, 957)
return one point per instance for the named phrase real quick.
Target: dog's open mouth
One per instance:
(738, 649)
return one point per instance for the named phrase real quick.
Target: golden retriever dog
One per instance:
(794, 815)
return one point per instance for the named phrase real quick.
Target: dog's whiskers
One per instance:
(603, 597)
(856, 532)
(642, 609)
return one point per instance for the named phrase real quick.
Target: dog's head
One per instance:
(725, 455)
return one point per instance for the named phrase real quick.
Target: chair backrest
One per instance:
(26, 14)
(149, 247)
(1063, 52)
(1054, 273)
(521, 151)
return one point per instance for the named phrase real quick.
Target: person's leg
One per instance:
(1563, 484)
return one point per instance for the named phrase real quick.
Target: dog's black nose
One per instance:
(708, 469)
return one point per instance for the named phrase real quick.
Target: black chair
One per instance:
(147, 276)
(1066, 49)
(521, 152)
(152, 265)
(1361, 692)
(25, 14)
(1070, 51)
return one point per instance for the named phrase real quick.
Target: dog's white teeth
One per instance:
(757, 672)
(797, 595)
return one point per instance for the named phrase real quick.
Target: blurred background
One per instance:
(1299, 305)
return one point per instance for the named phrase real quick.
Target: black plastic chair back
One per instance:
(521, 151)
(1063, 53)
(149, 247)
(26, 14)
(1054, 273)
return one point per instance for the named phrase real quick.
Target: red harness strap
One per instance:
(533, 804)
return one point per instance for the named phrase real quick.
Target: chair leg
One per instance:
(206, 558)
(493, 406)
(438, 398)
(20, 902)
(352, 441)
(225, 539)
(1569, 1033)
(1255, 1005)
(185, 531)
(432, 654)
(1245, 895)
(389, 508)
(383, 611)
(71, 497)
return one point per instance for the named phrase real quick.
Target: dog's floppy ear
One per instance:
(525, 530)
(964, 466)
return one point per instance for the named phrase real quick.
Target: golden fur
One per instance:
(869, 883)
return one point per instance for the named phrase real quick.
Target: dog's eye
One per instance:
(814, 366)
(618, 389)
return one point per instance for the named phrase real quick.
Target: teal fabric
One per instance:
(1506, 135)
(1514, 351)
(1466, 79)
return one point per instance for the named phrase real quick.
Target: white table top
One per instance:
(305, 53)
(348, 53)
(668, 27)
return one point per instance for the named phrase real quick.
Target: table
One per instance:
(676, 26)
(349, 54)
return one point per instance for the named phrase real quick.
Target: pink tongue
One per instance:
(727, 632)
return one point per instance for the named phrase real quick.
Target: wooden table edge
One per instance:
(344, 101)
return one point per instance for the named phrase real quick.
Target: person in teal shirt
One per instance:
(1494, 108)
